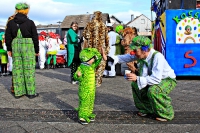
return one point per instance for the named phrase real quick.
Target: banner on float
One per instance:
(183, 41)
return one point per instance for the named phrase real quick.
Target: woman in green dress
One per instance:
(73, 49)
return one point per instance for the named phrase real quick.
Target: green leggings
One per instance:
(49, 59)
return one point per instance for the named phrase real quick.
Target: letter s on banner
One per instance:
(190, 57)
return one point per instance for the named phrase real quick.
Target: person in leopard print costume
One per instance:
(96, 36)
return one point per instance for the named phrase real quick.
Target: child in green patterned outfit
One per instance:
(85, 74)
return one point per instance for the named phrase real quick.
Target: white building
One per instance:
(142, 24)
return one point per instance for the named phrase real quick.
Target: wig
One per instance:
(22, 8)
(119, 29)
(25, 11)
(128, 30)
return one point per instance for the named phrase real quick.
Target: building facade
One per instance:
(82, 21)
(142, 24)
(49, 28)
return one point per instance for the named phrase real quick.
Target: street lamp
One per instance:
(59, 22)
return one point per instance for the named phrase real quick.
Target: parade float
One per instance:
(176, 34)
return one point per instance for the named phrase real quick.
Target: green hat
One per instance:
(87, 54)
(21, 6)
(141, 42)
(118, 28)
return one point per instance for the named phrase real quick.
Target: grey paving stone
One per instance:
(32, 126)
(48, 130)
(13, 129)
(6, 124)
(184, 128)
(67, 127)
(114, 106)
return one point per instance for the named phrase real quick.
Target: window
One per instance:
(142, 21)
(51, 30)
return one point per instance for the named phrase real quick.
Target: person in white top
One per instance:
(155, 80)
(109, 71)
(52, 49)
(43, 49)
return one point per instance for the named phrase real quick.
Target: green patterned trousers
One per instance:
(154, 99)
(23, 55)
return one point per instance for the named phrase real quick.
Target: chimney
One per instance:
(132, 17)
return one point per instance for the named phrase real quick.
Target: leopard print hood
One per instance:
(96, 34)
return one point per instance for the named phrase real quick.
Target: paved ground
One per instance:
(52, 111)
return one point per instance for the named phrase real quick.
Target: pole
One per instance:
(151, 12)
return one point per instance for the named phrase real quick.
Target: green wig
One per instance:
(119, 28)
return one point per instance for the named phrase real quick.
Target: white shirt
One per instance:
(112, 40)
(53, 45)
(43, 44)
(160, 68)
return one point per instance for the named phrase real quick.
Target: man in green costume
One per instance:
(85, 74)
(156, 79)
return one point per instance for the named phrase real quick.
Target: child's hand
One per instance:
(37, 54)
(79, 73)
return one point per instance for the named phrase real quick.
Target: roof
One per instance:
(116, 18)
(82, 20)
(137, 18)
(48, 26)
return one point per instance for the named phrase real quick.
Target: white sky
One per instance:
(52, 11)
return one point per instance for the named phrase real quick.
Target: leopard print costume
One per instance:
(96, 36)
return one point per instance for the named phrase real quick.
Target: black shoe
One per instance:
(82, 121)
(33, 96)
(3, 74)
(104, 76)
(48, 66)
(10, 73)
(17, 97)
